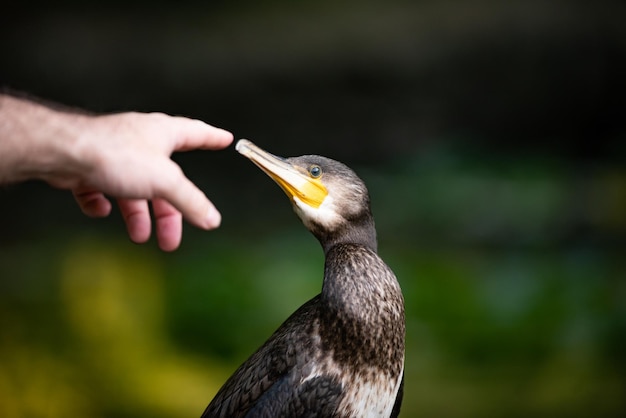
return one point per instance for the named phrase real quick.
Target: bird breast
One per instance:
(364, 329)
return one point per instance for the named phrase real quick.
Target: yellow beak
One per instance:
(295, 181)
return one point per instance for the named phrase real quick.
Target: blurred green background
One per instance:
(492, 137)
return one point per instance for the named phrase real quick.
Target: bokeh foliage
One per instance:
(491, 137)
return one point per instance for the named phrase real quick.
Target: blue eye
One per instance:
(315, 171)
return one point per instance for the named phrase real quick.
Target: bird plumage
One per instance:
(341, 354)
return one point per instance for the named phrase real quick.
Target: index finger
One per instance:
(196, 134)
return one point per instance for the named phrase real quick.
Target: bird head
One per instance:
(330, 199)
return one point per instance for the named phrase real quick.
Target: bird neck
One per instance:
(360, 232)
(362, 310)
(358, 283)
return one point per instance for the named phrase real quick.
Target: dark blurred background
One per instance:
(491, 134)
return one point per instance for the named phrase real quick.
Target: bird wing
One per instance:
(271, 382)
(317, 397)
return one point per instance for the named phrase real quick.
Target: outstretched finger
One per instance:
(136, 215)
(92, 203)
(195, 134)
(169, 225)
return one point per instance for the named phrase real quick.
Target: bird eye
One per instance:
(315, 171)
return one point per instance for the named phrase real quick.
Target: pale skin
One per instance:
(123, 156)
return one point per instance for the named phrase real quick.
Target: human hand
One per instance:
(129, 155)
(125, 156)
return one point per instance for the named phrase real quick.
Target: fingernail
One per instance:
(214, 218)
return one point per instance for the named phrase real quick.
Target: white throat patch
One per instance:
(326, 215)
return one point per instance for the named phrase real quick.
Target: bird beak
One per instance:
(295, 181)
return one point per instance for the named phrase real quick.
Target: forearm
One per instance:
(38, 142)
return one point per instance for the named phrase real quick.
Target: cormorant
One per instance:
(341, 354)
